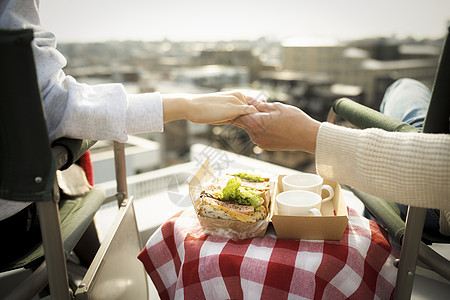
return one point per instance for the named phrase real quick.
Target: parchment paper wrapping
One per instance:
(232, 229)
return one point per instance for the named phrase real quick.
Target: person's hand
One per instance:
(280, 127)
(213, 108)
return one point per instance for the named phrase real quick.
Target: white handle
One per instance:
(315, 211)
(330, 191)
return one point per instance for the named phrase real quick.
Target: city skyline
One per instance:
(102, 20)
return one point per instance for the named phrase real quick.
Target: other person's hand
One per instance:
(280, 127)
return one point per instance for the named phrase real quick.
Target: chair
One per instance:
(410, 234)
(28, 165)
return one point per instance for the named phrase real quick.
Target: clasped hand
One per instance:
(214, 108)
(272, 126)
(277, 126)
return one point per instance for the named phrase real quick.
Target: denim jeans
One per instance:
(407, 100)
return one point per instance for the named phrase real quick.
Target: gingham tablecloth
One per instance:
(185, 264)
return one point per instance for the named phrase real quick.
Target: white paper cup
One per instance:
(298, 203)
(307, 182)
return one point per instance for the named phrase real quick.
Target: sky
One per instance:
(207, 20)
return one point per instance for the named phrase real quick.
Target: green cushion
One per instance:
(386, 212)
(76, 215)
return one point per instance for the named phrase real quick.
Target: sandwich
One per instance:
(243, 197)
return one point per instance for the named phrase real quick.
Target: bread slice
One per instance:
(214, 208)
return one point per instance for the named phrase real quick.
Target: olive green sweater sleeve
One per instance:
(408, 168)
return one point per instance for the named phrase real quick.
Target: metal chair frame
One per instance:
(61, 154)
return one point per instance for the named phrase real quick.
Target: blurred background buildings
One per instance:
(307, 73)
(202, 46)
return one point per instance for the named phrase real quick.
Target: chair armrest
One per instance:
(67, 151)
(365, 117)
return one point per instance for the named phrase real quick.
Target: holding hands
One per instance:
(271, 126)
(277, 126)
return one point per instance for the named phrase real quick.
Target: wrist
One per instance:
(305, 129)
(175, 107)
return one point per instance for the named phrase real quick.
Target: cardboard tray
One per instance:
(329, 226)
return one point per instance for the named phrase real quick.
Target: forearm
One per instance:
(408, 168)
(99, 112)
(175, 107)
(308, 138)
(299, 136)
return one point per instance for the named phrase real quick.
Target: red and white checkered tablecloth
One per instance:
(184, 263)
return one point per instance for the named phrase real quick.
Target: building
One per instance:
(215, 77)
(355, 66)
(142, 155)
(230, 57)
(313, 93)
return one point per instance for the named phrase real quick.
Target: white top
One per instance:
(407, 168)
(76, 110)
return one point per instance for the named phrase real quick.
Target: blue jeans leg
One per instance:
(407, 100)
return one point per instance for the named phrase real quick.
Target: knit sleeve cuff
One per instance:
(144, 113)
(335, 149)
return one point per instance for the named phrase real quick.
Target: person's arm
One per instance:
(73, 109)
(106, 111)
(407, 168)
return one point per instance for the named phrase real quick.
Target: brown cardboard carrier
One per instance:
(329, 226)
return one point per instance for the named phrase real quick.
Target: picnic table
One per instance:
(185, 263)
